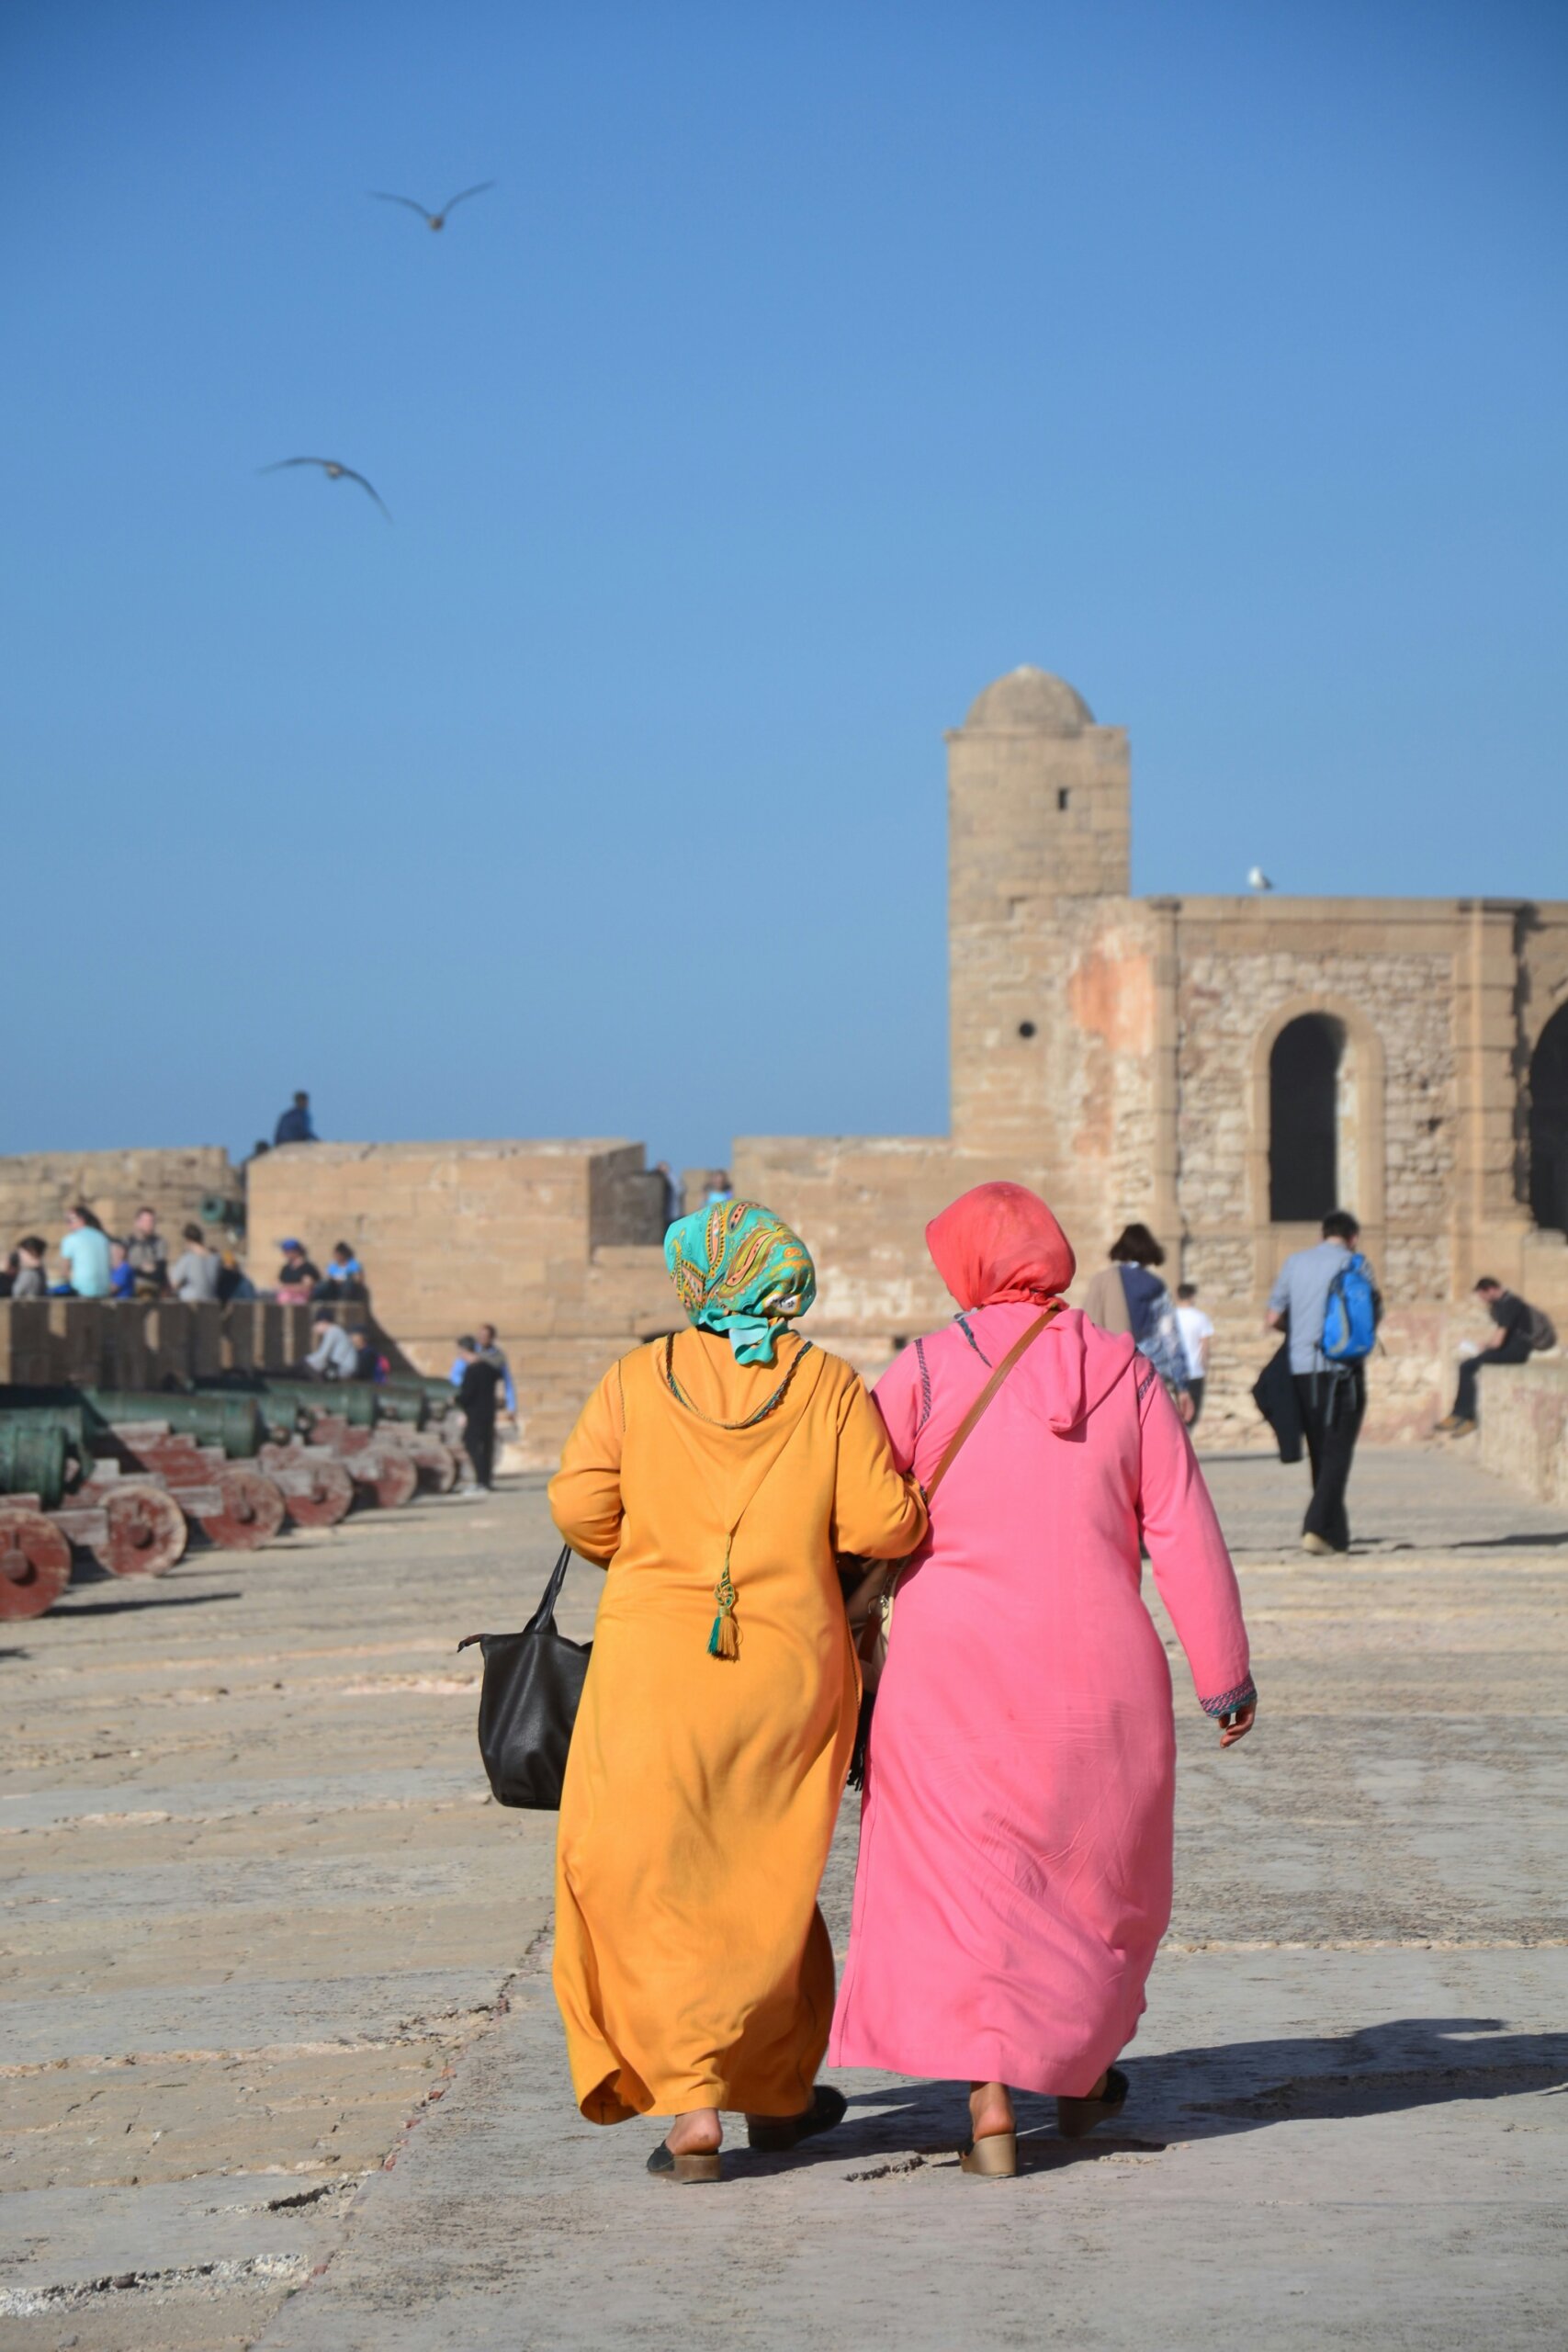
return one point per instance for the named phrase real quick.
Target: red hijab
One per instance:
(1000, 1242)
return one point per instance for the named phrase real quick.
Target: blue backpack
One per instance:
(1350, 1319)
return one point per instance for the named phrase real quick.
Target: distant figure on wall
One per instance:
(335, 1355)
(1197, 1338)
(86, 1250)
(146, 1256)
(31, 1281)
(194, 1274)
(297, 1277)
(345, 1277)
(122, 1276)
(720, 1189)
(1519, 1331)
(672, 1208)
(476, 1401)
(294, 1125)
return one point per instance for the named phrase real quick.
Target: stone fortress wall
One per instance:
(1128, 1057)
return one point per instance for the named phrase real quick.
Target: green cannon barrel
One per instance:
(354, 1399)
(404, 1399)
(210, 1418)
(37, 1445)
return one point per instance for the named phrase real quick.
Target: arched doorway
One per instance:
(1303, 1125)
(1548, 1124)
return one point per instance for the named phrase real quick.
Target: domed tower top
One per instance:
(1028, 701)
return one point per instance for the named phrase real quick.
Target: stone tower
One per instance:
(1039, 817)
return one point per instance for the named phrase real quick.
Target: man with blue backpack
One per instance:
(1326, 1299)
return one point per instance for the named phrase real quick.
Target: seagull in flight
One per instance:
(1258, 880)
(333, 472)
(432, 219)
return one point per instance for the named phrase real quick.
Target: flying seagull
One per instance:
(333, 472)
(1258, 880)
(431, 220)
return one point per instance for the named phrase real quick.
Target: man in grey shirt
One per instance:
(1332, 1396)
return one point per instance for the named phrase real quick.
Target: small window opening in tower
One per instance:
(1548, 1124)
(1304, 1136)
(1063, 797)
(1026, 1028)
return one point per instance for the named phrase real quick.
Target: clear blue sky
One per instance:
(808, 366)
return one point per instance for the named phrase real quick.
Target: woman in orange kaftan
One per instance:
(715, 1474)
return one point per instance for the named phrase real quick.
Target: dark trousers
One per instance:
(1333, 1406)
(1515, 1348)
(1195, 1390)
(479, 1444)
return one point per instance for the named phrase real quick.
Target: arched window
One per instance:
(1548, 1124)
(1303, 1125)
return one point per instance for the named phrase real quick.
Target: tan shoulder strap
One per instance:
(976, 1409)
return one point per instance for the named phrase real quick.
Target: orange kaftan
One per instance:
(693, 1967)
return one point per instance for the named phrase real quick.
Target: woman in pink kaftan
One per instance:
(1015, 1860)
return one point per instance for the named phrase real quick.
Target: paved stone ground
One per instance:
(276, 2011)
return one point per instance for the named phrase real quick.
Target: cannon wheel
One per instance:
(147, 1529)
(252, 1508)
(35, 1563)
(389, 1477)
(438, 1469)
(328, 1497)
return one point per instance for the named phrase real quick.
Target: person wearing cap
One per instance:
(297, 1277)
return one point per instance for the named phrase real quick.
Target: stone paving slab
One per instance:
(261, 1925)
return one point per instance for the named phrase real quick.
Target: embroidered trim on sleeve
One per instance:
(1243, 1695)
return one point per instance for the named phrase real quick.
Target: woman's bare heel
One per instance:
(1076, 2118)
(993, 2158)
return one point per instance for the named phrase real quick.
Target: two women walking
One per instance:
(1015, 1862)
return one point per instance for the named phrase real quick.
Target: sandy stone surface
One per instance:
(278, 2061)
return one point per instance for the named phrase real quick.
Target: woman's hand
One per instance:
(1237, 1723)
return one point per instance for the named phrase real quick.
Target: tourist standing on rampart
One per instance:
(714, 1472)
(1016, 1833)
(1330, 1379)
(86, 1250)
(1128, 1295)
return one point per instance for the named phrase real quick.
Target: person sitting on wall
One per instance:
(1521, 1330)
(85, 1251)
(194, 1274)
(123, 1274)
(30, 1280)
(294, 1125)
(345, 1277)
(297, 1277)
(146, 1256)
(335, 1355)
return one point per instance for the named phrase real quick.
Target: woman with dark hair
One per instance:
(85, 1251)
(1016, 1839)
(1128, 1295)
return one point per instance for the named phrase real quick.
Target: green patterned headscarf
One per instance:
(738, 1268)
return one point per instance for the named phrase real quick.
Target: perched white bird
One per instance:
(1258, 880)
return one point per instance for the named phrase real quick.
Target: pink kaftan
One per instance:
(1015, 1857)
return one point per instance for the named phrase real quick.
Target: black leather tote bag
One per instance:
(528, 1701)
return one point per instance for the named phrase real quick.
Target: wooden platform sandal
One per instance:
(1076, 2118)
